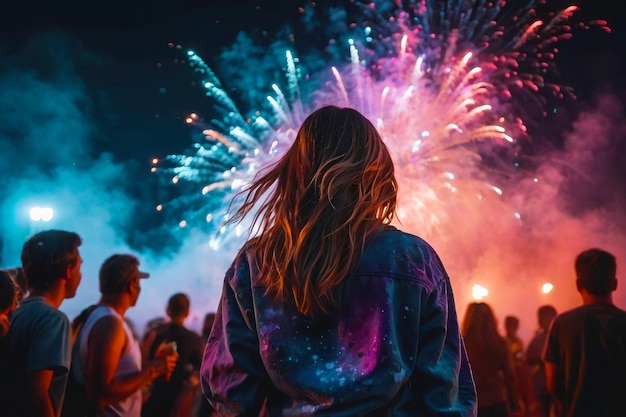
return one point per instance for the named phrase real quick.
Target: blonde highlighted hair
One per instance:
(324, 198)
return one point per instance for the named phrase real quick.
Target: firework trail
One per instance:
(442, 81)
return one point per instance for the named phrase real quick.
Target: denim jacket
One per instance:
(391, 348)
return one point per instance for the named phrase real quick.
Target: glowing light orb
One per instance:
(479, 292)
(547, 288)
(41, 214)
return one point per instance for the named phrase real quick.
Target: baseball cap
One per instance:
(119, 269)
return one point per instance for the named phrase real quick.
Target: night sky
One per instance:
(90, 92)
(116, 46)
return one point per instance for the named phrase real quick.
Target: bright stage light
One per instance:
(547, 288)
(479, 292)
(41, 214)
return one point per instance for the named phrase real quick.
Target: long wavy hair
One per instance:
(480, 330)
(323, 199)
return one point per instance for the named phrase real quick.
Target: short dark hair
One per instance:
(9, 291)
(47, 254)
(117, 271)
(595, 271)
(178, 305)
(545, 315)
(511, 321)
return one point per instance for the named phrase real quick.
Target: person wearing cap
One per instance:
(585, 355)
(35, 355)
(109, 360)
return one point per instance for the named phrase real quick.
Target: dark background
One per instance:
(128, 39)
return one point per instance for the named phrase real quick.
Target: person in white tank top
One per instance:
(109, 360)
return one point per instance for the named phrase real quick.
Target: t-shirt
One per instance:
(587, 346)
(39, 339)
(189, 348)
(533, 355)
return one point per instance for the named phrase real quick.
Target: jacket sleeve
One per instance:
(232, 374)
(443, 378)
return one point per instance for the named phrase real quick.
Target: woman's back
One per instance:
(329, 311)
(492, 364)
(386, 341)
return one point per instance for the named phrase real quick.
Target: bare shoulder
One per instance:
(107, 330)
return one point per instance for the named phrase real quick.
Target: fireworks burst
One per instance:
(440, 80)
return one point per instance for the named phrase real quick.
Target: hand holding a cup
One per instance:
(166, 358)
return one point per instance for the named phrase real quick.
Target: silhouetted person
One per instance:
(516, 349)
(514, 342)
(20, 279)
(545, 316)
(179, 391)
(9, 296)
(585, 355)
(36, 351)
(492, 364)
(330, 310)
(151, 325)
(207, 324)
(109, 361)
(204, 408)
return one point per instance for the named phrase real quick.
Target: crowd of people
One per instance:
(94, 365)
(328, 311)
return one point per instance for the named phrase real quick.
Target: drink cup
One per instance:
(166, 349)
